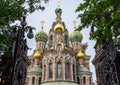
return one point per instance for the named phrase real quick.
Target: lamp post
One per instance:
(19, 52)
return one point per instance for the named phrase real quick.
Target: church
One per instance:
(59, 57)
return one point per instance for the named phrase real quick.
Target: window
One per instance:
(78, 80)
(73, 72)
(90, 80)
(33, 80)
(67, 70)
(65, 41)
(44, 72)
(50, 70)
(59, 72)
(51, 38)
(39, 80)
(84, 80)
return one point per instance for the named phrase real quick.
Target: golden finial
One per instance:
(42, 24)
(58, 3)
(80, 54)
(74, 23)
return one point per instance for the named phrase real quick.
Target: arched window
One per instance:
(33, 80)
(39, 80)
(65, 40)
(90, 80)
(67, 70)
(84, 80)
(51, 39)
(44, 71)
(78, 80)
(59, 70)
(50, 70)
(73, 72)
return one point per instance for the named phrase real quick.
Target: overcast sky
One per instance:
(68, 16)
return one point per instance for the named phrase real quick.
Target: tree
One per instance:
(104, 15)
(10, 11)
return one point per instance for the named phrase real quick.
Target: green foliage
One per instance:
(104, 15)
(10, 11)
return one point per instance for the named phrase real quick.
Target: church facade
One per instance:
(59, 58)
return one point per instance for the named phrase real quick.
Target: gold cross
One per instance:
(74, 23)
(42, 24)
(58, 3)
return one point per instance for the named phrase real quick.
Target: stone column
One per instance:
(71, 71)
(43, 73)
(63, 69)
(47, 71)
(54, 70)
(75, 72)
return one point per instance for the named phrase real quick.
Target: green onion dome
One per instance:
(35, 69)
(58, 10)
(76, 36)
(82, 69)
(41, 36)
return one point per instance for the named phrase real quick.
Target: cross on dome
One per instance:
(42, 24)
(58, 3)
(74, 23)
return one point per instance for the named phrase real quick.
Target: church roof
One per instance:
(36, 69)
(82, 69)
(59, 83)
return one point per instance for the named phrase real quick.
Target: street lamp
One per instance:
(19, 52)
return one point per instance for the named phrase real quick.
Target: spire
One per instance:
(74, 23)
(42, 24)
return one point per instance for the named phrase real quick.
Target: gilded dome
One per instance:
(80, 55)
(76, 36)
(41, 36)
(37, 55)
(59, 27)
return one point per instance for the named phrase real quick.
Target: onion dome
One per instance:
(37, 55)
(82, 69)
(76, 36)
(58, 12)
(35, 69)
(41, 36)
(59, 27)
(80, 55)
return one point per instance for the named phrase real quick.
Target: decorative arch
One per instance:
(59, 47)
